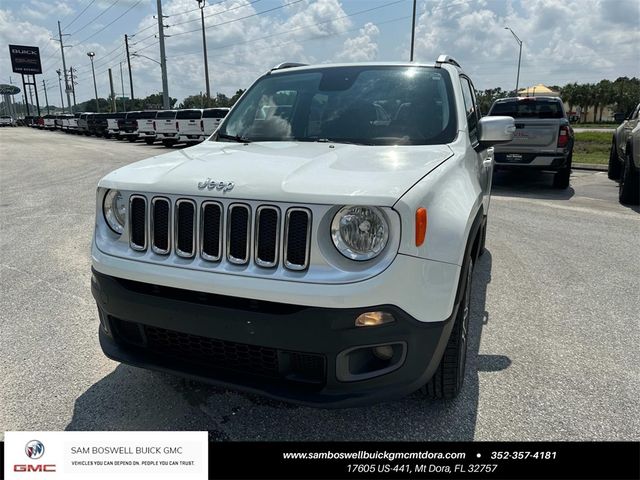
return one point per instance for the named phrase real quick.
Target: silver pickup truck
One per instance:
(543, 138)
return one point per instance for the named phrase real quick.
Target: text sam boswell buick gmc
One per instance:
(317, 248)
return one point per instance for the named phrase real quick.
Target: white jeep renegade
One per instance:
(317, 248)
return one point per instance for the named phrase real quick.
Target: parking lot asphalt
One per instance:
(554, 330)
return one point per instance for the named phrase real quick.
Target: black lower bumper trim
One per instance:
(288, 352)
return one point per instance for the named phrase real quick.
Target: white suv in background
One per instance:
(165, 127)
(319, 248)
(211, 119)
(189, 125)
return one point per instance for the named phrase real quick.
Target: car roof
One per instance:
(302, 68)
(536, 97)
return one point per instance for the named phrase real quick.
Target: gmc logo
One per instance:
(34, 468)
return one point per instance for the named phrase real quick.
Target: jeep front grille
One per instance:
(237, 233)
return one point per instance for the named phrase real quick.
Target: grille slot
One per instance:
(138, 220)
(185, 228)
(238, 238)
(267, 236)
(211, 231)
(297, 238)
(221, 231)
(160, 225)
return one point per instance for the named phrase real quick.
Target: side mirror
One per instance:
(495, 130)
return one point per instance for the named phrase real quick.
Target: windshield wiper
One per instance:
(236, 138)
(332, 140)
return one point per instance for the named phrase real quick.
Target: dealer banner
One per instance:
(106, 455)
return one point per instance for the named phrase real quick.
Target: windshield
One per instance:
(189, 114)
(166, 114)
(371, 105)
(528, 108)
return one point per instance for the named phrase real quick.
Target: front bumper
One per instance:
(147, 135)
(307, 355)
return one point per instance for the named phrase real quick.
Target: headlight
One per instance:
(359, 233)
(115, 210)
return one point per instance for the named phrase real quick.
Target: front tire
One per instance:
(629, 192)
(614, 170)
(168, 143)
(448, 378)
(149, 141)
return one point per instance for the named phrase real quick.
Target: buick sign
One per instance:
(25, 60)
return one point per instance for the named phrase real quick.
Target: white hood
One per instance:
(289, 172)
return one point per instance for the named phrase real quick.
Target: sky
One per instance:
(563, 40)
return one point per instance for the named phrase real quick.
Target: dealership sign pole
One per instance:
(25, 60)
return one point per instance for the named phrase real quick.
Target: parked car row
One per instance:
(169, 127)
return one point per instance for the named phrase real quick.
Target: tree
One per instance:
(236, 96)
(486, 98)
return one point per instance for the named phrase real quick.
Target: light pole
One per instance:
(519, 56)
(204, 47)
(134, 54)
(95, 87)
(60, 85)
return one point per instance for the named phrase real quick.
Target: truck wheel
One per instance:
(132, 138)
(149, 141)
(561, 178)
(168, 143)
(446, 382)
(629, 192)
(614, 170)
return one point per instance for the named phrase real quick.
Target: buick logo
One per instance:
(34, 449)
(209, 184)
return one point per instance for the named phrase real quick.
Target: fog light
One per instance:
(371, 319)
(383, 352)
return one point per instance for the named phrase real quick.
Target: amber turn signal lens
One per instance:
(421, 226)
(371, 319)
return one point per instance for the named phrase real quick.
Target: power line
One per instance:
(111, 23)
(80, 14)
(177, 15)
(96, 17)
(360, 12)
(189, 21)
(241, 18)
(216, 13)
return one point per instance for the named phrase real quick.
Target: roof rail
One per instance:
(288, 65)
(446, 59)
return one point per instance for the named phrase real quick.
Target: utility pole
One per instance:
(126, 44)
(204, 47)
(413, 29)
(73, 88)
(113, 96)
(60, 85)
(163, 59)
(46, 99)
(124, 107)
(64, 67)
